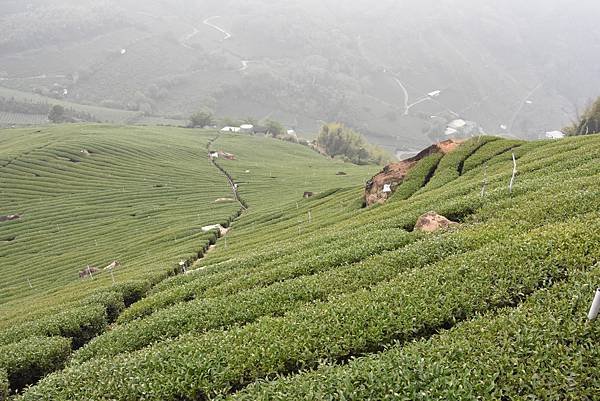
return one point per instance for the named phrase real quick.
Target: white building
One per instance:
(231, 129)
(247, 128)
(555, 135)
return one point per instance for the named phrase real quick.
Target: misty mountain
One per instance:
(398, 71)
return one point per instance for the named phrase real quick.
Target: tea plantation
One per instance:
(303, 299)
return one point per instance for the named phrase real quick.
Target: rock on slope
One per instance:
(393, 174)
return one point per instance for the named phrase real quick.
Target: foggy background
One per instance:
(398, 71)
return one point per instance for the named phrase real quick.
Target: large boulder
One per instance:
(431, 222)
(384, 184)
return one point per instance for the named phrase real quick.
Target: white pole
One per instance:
(484, 181)
(595, 309)
(514, 173)
(309, 217)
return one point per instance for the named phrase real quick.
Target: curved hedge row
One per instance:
(80, 324)
(451, 165)
(543, 350)
(417, 177)
(279, 298)
(345, 251)
(29, 360)
(417, 304)
(488, 151)
(283, 253)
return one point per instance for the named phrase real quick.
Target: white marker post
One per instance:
(485, 180)
(595, 309)
(29, 282)
(309, 217)
(514, 173)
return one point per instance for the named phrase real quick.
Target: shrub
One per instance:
(29, 360)
(132, 291)
(112, 301)
(80, 324)
(4, 386)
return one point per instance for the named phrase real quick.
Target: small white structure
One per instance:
(291, 132)
(434, 93)
(555, 135)
(387, 188)
(457, 124)
(214, 155)
(450, 131)
(222, 230)
(123, 51)
(231, 129)
(247, 128)
(528, 102)
(503, 127)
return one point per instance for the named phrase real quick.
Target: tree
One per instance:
(339, 140)
(274, 128)
(57, 114)
(589, 122)
(201, 119)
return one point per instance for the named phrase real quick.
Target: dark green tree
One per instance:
(57, 114)
(339, 140)
(274, 128)
(201, 119)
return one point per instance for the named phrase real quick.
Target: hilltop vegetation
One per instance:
(338, 140)
(589, 122)
(305, 298)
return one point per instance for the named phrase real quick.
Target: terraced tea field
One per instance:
(320, 299)
(93, 194)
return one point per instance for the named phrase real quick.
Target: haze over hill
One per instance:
(526, 66)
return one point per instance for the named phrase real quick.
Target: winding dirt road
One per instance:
(218, 28)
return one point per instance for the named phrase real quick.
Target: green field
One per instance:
(103, 114)
(315, 299)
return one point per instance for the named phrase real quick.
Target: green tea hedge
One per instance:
(27, 361)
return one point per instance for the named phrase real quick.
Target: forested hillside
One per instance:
(509, 67)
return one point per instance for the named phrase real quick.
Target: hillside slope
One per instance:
(321, 299)
(89, 195)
